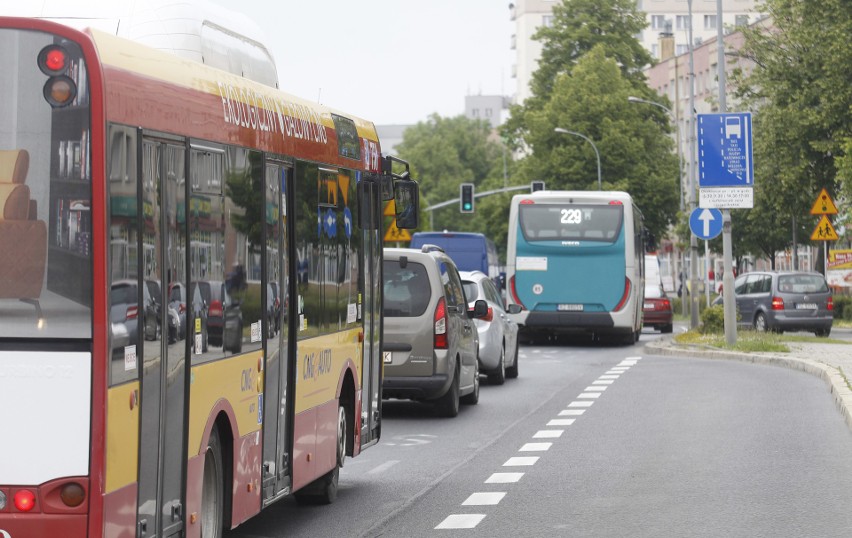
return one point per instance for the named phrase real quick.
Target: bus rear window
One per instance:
(571, 222)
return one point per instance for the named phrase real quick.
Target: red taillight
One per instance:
(24, 500)
(526, 201)
(132, 312)
(52, 60)
(615, 202)
(441, 325)
(777, 303)
(624, 297)
(216, 309)
(667, 305)
(489, 316)
(830, 304)
(514, 291)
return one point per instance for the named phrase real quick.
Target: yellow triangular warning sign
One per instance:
(824, 205)
(823, 232)
(390, 209)
(394, 234)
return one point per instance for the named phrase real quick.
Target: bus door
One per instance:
(162, 450)
(277, 412)
(371, 263)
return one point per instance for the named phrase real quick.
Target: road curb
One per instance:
(830, 374)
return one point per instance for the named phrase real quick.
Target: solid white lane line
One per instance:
(602, 382)
(485, 498)
(535, 447)
(383, 467)
(521, 461)
(504, 478)
(584, 403)
(589, 395)
(571, 412)
(461, 521)
(561, 421)
(592, 388)
(548, 434)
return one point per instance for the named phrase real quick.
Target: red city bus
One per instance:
(190, 308)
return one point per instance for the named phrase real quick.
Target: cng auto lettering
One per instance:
(315, 365)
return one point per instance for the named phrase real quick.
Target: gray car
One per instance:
(784, 301)
(431, 346)
(498, 334)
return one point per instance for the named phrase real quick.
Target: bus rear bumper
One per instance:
(569, 321)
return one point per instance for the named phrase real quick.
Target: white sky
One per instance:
(388, 61)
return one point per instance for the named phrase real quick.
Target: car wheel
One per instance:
(512, 371)
(212, 489)
(760, 322)
(823, 333)
(667, 328)
(448, 404)
(498, 376)
(473, 397)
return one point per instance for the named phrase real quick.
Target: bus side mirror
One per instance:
(407, 203)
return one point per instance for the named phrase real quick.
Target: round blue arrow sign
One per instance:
(705, 223)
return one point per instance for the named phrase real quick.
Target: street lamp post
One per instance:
(671, 114)
(587, 139)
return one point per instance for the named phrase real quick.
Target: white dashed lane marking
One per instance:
(491, 498)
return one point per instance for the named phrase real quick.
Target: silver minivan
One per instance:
(430, 344)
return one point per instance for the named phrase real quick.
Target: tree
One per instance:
(578, 27)
(444, 153)
(800, 93)
(635, 154)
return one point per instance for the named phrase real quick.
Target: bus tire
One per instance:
(323, 490)
(212, 489)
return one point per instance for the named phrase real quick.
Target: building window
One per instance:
(709, 22)
(547, 21)
(475, 112)
(741, 20)
(488, 112)
(658, 22)
(682, 49)
(682, 22)
(655, 51)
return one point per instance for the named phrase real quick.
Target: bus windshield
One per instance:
(45, 188)
(571, 222)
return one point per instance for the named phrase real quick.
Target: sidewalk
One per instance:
(831, 362)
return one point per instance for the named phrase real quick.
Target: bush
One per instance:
(842, 307)
(713, 320)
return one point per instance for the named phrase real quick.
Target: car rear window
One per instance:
(653, 292)
(802, 284)
(471, 291)
(406, 289)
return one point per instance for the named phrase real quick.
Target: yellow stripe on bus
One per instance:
(122, 431)
(319, 365)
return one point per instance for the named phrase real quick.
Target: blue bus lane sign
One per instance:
(705, 223)
(725, 165)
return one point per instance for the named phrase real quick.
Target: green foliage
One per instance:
(713, 320)
(842, 307)
(244, 188)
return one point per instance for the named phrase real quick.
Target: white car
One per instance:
(498, 335)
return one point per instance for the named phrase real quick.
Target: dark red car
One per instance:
(657, 311)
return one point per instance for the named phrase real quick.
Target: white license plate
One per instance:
(649, 306)
(806, 306)
(388, 356)
(570, 307)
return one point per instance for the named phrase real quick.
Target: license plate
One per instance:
(570, 307)
(806, 306)
(388, 356)
(649, 306)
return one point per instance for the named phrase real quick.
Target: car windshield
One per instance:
(802, 284)
(471, 290)
(406, 289)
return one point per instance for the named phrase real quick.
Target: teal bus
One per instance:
(575, 264)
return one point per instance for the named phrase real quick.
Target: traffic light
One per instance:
(537, 186)
(466, 198)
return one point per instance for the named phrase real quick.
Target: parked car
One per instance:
(123, 315)
(657, 308)
(498, 335)
(431, 346)
(784, 301)
(224, 316)
(151, 299)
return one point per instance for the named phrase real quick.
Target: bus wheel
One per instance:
(212, 493)
(323, 490)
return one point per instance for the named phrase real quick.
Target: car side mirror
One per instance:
(514, 309)
(480, 309)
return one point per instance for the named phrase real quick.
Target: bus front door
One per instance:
(371, 260)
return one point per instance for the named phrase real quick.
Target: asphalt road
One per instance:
(600, 441)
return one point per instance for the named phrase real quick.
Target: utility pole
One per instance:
(693, 169)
